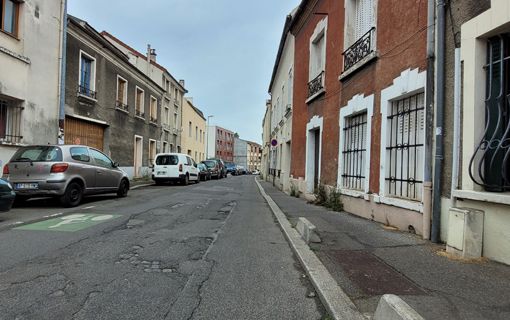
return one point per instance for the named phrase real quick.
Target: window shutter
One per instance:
(365, 18)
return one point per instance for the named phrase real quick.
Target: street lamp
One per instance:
(207, 138)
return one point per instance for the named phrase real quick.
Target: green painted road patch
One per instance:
(70, 223)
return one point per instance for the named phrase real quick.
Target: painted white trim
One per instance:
(400, 203)
(142, 109)
(152, 98)
(409, 82)
(320, 31)
(135, 155)
(88, 119)
(155, 147)
(93, 75)
(358, 104)
(316, 122)
(125, 92)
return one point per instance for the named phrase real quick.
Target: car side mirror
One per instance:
(115, 164)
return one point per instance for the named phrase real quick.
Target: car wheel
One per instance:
(198, 179)
(123, 189)
(72, 196)
(185, 180)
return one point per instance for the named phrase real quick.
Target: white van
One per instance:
(174, 167)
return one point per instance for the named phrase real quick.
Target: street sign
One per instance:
(274, 142)
(70, 223)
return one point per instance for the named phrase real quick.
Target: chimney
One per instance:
(151, 54)
(181, 82)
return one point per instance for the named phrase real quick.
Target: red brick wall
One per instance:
(325, 106)
(401, 44)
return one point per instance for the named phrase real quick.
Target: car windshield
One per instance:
(167, 160)
(38, 154)
(202, 166)
(210, 163)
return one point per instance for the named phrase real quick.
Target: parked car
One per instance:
(231, 168)
(214, 168)
(257, 172)
(176, 167)
(65, 171)
(241, 170)
(221, 164)
(7, 196)
(204, 173)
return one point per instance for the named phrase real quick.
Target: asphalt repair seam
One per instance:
(335, 300)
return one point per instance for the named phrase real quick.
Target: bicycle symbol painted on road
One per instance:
(70, 223)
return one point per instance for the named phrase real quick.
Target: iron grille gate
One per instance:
(10, 121)
(489, 165)
(404, 167)
(354, 152)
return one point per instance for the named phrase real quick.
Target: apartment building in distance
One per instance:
(172, 102)
(220, 143)
(253, 156)
(193, 136)
(31, 51)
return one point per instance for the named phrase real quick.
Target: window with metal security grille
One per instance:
(405, 148)
(10, 121)
(489, 166)
(9, 16)
(354, 153)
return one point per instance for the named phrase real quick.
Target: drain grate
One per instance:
(373, 276)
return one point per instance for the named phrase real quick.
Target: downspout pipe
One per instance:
(456, 126)
(439, 157)
(429, 120)
(63, 62)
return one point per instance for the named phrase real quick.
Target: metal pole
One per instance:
(207, 140)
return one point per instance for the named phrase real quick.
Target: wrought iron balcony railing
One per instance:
(359, 50)
(316, 84)
(122, 106)
(87, 92)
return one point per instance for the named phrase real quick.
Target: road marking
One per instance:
(70, 223)
(86, 208)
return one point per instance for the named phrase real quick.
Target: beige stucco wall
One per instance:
(30, 71)
(196, 144)
(496, 206)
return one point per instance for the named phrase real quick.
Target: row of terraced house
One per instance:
(402, 107)
(62, 81)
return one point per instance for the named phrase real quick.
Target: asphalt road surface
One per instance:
(205, 251)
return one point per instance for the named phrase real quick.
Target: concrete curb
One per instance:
(336, 302)
(392, 307)
(140, 186)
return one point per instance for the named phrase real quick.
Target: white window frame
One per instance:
(315, 123)
(138, 108)
(357, 105)
(154, 143)
(350, 22)
(93, 71)
(155, 116)
(125, 97)
(319, 33)
(409, 82)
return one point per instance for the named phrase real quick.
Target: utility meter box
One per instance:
(465, 232)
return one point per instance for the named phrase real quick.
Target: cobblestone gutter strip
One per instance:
(332, 296)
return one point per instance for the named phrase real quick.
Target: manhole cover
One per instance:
(373, 276)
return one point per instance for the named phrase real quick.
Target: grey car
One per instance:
(65, 171)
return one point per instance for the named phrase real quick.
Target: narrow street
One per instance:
(205, 251)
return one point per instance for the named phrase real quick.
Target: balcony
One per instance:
(122, 106)
(360, 50)
(153, 119)
(86, 92)
(316, 86)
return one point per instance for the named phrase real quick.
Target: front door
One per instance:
(138, 156)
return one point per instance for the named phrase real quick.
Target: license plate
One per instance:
(161, 173)
(26, 186)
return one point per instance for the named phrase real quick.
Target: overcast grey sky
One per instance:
(224, 49)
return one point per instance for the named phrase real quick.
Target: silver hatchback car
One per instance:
(65, 171)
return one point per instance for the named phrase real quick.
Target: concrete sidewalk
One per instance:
(368, 260)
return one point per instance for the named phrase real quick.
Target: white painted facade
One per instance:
(30, 74)
(281, 115)
(496, 206)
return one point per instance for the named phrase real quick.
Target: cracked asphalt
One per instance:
(205, 251)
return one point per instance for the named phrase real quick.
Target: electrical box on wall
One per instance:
(465, 232)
